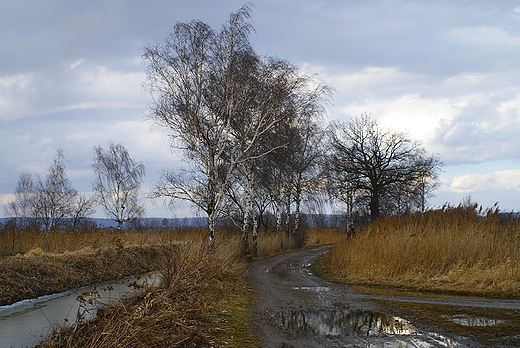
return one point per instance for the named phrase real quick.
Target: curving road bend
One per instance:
(295, 308)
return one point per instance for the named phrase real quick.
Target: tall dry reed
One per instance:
(460, 250)
(22, 240)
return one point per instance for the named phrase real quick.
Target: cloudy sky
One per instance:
(447, 72)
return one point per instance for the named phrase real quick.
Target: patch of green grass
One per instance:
(235, 320)
(321, 269)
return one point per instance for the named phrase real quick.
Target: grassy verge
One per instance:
(203, 299)
(451, 250)
(196, 304)
(235, 319)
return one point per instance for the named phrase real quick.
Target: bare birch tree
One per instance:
(218, 99)
(54, 197)
(117, 183)
(22, 206)
(51, 199)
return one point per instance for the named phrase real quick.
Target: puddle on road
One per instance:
(342, 322)
(467, 320)
(297, 265)
(495, 327)
(312, 288)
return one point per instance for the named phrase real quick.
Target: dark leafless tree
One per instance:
(21, 206)
(82, 208)
(378, 163)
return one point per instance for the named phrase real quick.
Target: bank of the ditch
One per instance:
(37, 273)
(202, 300)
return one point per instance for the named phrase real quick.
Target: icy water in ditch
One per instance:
(28, 322)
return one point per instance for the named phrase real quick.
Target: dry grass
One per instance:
(20, 241)
(48, 263)
(203, 299)
(184, 311)
(38, 273)
(453, 250)
(326, 236)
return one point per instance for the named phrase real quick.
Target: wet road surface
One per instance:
(295, 308)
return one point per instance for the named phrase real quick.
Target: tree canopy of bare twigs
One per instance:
(383, 166)
(51, 199)
(220, 101)
(117, 183)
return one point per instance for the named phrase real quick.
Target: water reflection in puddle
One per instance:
(342, 322)
(466, 320)
(312, 288)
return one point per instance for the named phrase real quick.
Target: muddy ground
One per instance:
(295, 308)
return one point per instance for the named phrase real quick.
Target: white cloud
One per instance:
(5, 199)
(113, 88)
(484, 36)
(15, 94)
(510, 109)
(412, 114)
(76, 64)
(16, 81)
(493, 181)
(372, 80)
(75, 85)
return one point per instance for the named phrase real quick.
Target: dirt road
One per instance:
(294, 308)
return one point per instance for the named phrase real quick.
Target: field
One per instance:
(203, 295)
(452, 250)
(204, 298)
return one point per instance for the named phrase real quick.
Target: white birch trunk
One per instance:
(255, 227)
(211, 228)
(244, 242)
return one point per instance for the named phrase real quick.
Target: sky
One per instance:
(445, 72)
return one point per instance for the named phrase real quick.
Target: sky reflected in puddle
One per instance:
(342, 322)
(467, 320)
(312, 288)
(27, 322)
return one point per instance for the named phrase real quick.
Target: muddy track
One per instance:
(295, 308)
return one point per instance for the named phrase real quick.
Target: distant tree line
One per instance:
(257, 150)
